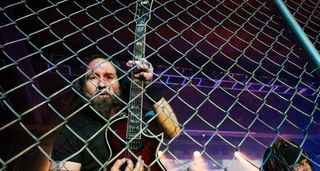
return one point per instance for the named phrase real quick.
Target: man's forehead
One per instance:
(101, 64)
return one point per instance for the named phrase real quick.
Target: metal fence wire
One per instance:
(236, 74)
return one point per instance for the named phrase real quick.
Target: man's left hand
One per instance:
(143, 71)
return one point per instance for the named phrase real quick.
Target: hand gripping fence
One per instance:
(238, 74)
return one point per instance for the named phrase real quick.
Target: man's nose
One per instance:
(102, 84)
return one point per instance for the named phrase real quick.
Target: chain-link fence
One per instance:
(233, 71)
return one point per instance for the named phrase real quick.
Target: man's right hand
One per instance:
(138, 167)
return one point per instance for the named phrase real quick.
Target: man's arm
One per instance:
(65, 166)
(167, 118)
(165, 115)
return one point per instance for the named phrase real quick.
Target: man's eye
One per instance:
(91, 77)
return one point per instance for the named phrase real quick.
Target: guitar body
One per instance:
(119, 148)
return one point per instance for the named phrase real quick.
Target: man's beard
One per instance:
(107, 106)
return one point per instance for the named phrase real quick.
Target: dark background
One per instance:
(233, 71)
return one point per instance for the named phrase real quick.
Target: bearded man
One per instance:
(102, 95)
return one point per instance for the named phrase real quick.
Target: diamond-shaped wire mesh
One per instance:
(233, 72)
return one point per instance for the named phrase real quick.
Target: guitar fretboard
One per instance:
(135, 111)
(139, 45)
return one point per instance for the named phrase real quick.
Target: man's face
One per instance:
(102, 85)
(303, 166)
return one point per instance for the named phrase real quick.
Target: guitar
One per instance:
(128, 136)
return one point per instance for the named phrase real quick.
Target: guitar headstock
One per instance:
(143, 11)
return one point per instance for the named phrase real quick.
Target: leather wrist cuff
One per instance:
(153, 94)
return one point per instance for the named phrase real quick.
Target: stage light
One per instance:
(236, 154)
(196, 154)
(243, 160)
(168, 163)
(199, 163)
(160, 153)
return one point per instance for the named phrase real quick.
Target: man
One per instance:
(285, 156)
(81, 144)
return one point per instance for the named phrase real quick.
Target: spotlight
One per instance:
(166, 161)
(199, 162)
(236, 154)
(244, 161)
(160, 153)
(196, 154)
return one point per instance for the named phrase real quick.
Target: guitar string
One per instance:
(133, 129)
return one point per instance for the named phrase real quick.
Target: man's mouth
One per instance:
(103, 94)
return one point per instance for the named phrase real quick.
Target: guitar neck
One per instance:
(142, 16)
(136, 88)
(140, 39)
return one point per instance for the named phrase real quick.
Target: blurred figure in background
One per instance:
(285, 156)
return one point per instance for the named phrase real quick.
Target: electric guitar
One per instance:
(128, 136)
